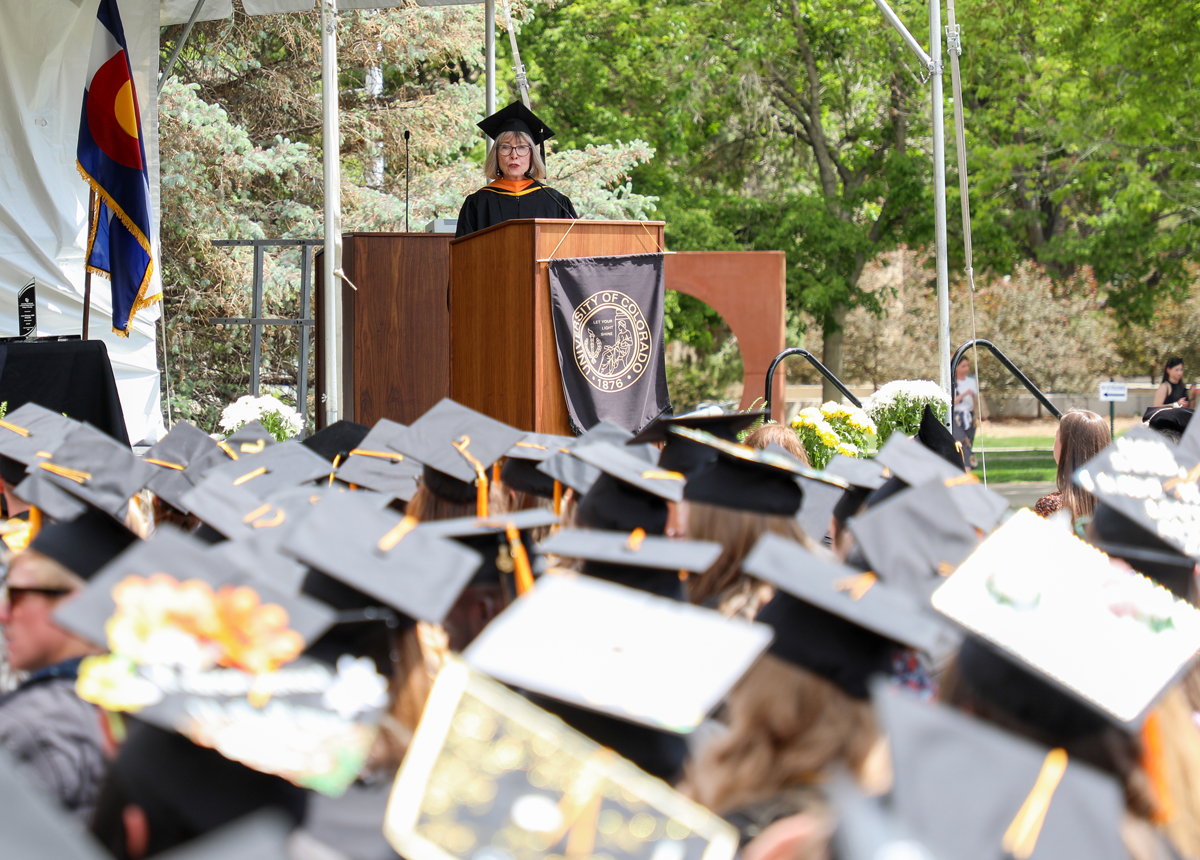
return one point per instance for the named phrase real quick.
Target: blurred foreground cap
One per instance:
(34, 825)
(621, 652)
(1033, 585)
(85, 544)
(30, 429)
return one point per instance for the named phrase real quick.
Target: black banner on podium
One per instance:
(608, 325)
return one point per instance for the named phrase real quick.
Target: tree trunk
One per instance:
(831, 352)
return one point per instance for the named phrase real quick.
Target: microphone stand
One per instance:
(406, 171)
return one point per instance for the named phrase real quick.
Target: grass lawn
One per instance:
(1023, 466)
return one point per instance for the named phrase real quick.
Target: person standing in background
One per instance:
(966, 392)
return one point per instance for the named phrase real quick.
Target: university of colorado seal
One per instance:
(611, 340)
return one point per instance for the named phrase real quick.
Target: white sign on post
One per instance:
(1117, 392)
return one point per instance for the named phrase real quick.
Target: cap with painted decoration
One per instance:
(515, 117)
(217, 656)
(335, 442)
(471, 731)
(279, 467)
(520, 471)
(615, 651)
(376, 464)
(95, 468)
(748, 479)
(457, 446)
(1117, 536)
(379, 556)
(915, 539)
(184, 445)
(1033, 584)
(834, 621)
(29, 435)
(1152, 482)
(967, 789)
(578, 475)
(85, 544)
(681, 454)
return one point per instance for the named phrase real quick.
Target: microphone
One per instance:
(406, 136)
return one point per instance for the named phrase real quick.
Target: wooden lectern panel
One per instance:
(503, 355)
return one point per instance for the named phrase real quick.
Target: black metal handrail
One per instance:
(1012, 368)
(812, 359)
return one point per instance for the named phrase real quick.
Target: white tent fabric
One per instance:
(44, 49)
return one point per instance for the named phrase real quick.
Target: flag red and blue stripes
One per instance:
(112, 158)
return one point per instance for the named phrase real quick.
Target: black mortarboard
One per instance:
(1033, 585)
(376, 464)
(915, 538)
(521, 471)
(538, 447)
(33, 825)
(748, 479)
(1173, 417)
(335, 442)
(29, 435)
(969, 790)
(48, 498)
(515, 117)
(863, 476)
(471, 724)
(382, 557)
(681, 454)
(833, 621)
(252, 438)
(261, 835)
(913, 462)
(578, 475)
(936, 436)
(1153, 483)
(609, 653)
(235, 511)
(85, 544)
(1116, 535)
(627, 467)
(454, 443)
(628, 494)
(94, 467)
(489, 538)
(171, 455)
(629, 551)
(282, 466)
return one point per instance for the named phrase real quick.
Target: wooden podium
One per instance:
(503, 356)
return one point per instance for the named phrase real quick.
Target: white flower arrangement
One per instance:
(282, 421)
(898, 406)
(832, 428)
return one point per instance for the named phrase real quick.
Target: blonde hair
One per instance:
(491, 164)
(737, 532)
(784, 437)
(41, 571)
(786, 727)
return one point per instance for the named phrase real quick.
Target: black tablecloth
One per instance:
(74, 377)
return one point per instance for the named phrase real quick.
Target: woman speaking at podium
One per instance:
(516, 170)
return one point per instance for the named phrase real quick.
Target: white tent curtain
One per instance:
(44, 48)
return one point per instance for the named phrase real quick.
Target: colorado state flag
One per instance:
(112, 159)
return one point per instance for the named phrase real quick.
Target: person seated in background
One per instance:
(514, 169)
(1171, 391)
(1081, 436)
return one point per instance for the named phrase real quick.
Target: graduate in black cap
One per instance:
(515, 170)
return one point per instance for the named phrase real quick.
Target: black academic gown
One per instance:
(490, 205)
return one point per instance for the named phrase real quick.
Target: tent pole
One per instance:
(489, 36)
(187, 31)
(87, 273)
(331, 269)
(939, 196)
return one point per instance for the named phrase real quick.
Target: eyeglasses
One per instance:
(508, 149)
(13, 593)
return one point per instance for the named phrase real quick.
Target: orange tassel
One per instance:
(521, 570)
(558, 498)
(1155, 768)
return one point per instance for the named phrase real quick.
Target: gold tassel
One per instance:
(521, 572)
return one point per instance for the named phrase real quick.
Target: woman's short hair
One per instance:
(1173, 361)
(491, 164)
(784, 437)
(1081, 436)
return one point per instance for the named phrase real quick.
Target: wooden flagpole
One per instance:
(87, 273)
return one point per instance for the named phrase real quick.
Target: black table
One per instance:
(74, 377)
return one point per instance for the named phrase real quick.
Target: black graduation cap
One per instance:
(95, 468)
(936, 436)
(967, 789)
(29, 435)
(914, 539)
(1033, 585)
(682, 454)
(335, 442)
(1153, 483)
(376, 464)
(858, 472)
(252, 438)
(382, 557)
(85, 544)
(609, 653)
(748, 479)
(578, 475)
(455, 443)
(235, 511)
(48, 498)
(282, 466)
(1116, 535)
(832, 620)
(515, 117)
(172, 454)
(913, 462)
(520, 471)
(1174, 417)
(596, 785)
(628, 550)
(261, 835)
(629, 492)
(35, 826)
(489, 537)
(627, 467)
